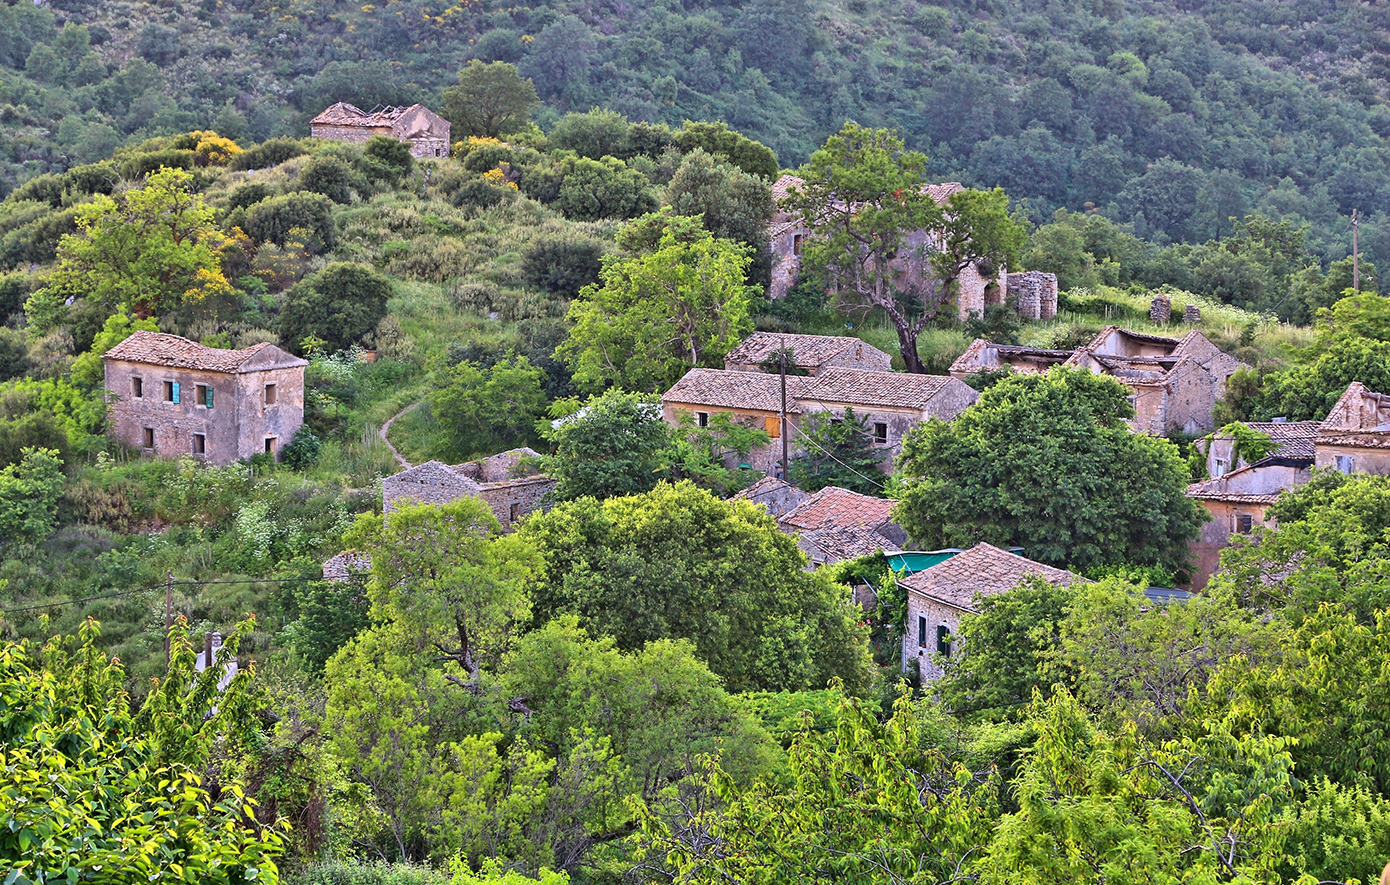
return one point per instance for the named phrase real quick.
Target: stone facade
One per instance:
(505, 486)
(1238, 502)
(1355, 437)
(982, 356)
(776, 496)
(1033, 294)
(426, 132)
(170, 396)
(891, 403)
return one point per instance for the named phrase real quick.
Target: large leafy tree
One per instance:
(837, 451)
(678, 563)
(489, 409)
(150, 249)
(98, 788)
(863, 195)
(615, 444)
(681, 305)
(1046, 462)
(732, 204)
(340, 305)
(489, 100)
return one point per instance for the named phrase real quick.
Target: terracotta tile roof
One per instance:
(981, 571)
(754, 391)
(1294, 438)
(833, 506)
(840, 543)
(809, 351)
(160, 349)
(865, 387)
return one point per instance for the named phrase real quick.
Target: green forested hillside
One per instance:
(1173, 115)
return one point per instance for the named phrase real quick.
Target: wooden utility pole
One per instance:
(1355, 252)
(168, 617)
(783, 416)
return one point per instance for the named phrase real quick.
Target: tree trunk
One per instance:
(907, 343)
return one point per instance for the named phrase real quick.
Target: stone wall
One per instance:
(1363, 459)
(237, 426)
(513, 501)
(1033, 294)
(1215, 536)
(766, 459)
(354, 134)
(923, 649)
(1190, 397)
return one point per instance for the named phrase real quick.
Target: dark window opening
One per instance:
(921, 631)
(515, 514)
(1244, 522)
(270, 445)
(797, 243)
(702, 419)
(943, 639)
(200, 444)
(137, 387)
(171, 391)
(880, 433)
(202, 395)
(270, 394)
(149, 437)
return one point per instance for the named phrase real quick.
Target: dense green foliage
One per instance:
(837, 451)
(1046, 462)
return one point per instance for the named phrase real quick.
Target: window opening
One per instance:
(1344, 463)
(515, 514)
(149, 437)
(270, 394)
(943, 639)
(202, 395)
(1244, 521)
(880, 433)
(171, 391)
(200, 444)
(702, 419)
(137, 387)
(921, 631)
(270, 445)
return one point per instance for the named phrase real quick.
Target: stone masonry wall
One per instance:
(923, 649)
(1033, 294)
(512, 501)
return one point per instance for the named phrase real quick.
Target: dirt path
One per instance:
(387, 426)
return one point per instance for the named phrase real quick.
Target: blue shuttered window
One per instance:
(174, 392)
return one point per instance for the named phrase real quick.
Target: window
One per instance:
(149, 437)
(270, 394)
(515, 514)
(773, 426)
(702, 419)
(921, 631)
(202, 395)
(270, 445)
(200, 444)
(137, 387)
(1344, 463)
(943, 639)
(171, 391)
(1243, 523)
(797, 243)
(880, 433)
(1218, 467)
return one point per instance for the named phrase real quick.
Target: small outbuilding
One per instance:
(426, 132)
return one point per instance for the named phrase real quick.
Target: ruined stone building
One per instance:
(939, 595)
(809, 353)
(890, 403)
(835, 525)
(1033, 294)
(426, 132)
(1355, 435)
(509, 487)
(171, 396)
(1175, 381)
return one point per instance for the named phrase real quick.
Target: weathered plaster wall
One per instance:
(1363, 460)
(923, 649)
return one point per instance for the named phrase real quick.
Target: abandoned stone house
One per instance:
(1354, 438)
(890, 403)
(170, 396)
(939, 595)
(426, 132)
(809, 353)
(835, 525)
(509, 486)
(1175, 382)
(1033, 294)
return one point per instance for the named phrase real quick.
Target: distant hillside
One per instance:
(1172, 115)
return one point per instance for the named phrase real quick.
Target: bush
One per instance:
(340, 304)
(562, 262)
(392, 154)
(302, 451)
(272, 220)
(328, 176)
(248, 194)
(479, 193)
(474, 297)
(267, 154)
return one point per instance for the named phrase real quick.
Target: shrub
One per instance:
(267, 154)
(562, 262)
(273, 220)
(328, 176)
(248, 194)
(302, 451)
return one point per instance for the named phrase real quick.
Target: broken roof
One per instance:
(160, 349)
(981, 571)
(344, 114)
(808, 351)
(840, 543)
(1293, 438)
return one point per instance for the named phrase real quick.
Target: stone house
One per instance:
(1033, 294)
(1292, 439)
(774, 495)
(939, 595)
(170, 396)
(835, 524)
(1237, 502)
(810, 353)
(890, 403)
(510, 488)
(1355, 436)
(1175, 381)
(426, 132)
